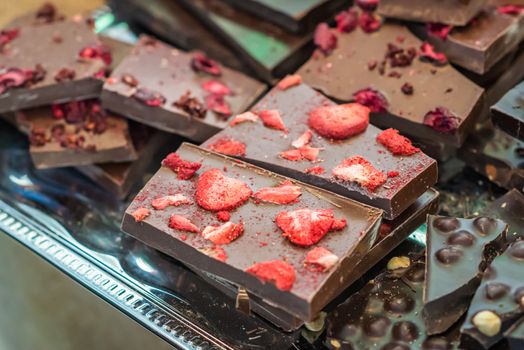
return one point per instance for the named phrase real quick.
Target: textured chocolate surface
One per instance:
(508, 113)
(458, 252)
(261, 240)
(416, 172)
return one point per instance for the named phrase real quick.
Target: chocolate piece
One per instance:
(498, 302)
(458, 252)
(454, 12)
(509, 209)
(515, 336)
(167, 91)
(416, 173)
(43, 64)
(262, 238)
(508, 113)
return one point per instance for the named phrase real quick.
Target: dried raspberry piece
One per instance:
(244, 117)
(223, 234)
(204, 64)
(183, 168)
(305, 152)
(347, 21)
(284, 193)
(427, 53)
(325, 39)
(228, 146)
(96, 52)
(217, 192)
(399, 57)
(140, 214)
(178, 222)
(305, 227)
(6, 36)
(514, 10)
(215, 252)
(218, 104)
(272, 119)
(439, 30)
(359, 170)
(162, 203)
(278, 272)
(368, 22)
(216, 87)
(12, 78)
(316, 170)
(393, 173)
(223, 216)
(303, 140)
(191, 105)
(149, 97)
(65, 74)
(339, 122)
(442, 120)
(320, 259)
(129, 80)
(372, 99)
(407, 89)
(396, 143)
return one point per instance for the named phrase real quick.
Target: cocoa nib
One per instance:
(400, 57)
(6, 36)
(65, 74)
(442, 120)
(218, 104)
(202, 63)
(149, 97)
(191, 105)
(372, 99)
(407, 89)
(129, 80)
(347, 21)
(325, 39)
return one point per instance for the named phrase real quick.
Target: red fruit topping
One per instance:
(339, 225)
(359, 170)
(271, 119)
(511, 9)
(217, 192)
(368, 22)
(149, 97)
(305, 227)
(223, 234)
(178, 222)
(140, 214)
(184, 169)
(427, 53)
(223, 216)
(292, 154)
(284, 193)
(396, 143)
(373, 99)
(65, 74)
(129, 80)
(305, 152)
(303, 140)
(6, 36)
(316, 170)
(191, 105)
(325, 39)
(202, 63)
(442, 120)
(228, 147)
(166, 201)
(96, 52)
(215, 252)
(47, 13)
(12, 78)
(320, 259)
(347, 21)
(244, 117)
(439, 30)
(339, 122)
(393, 173)
(399, 57)
(216, 87)
(407, 89)
(367, 5)
(218, 104)
(289, 81)
(278, 272)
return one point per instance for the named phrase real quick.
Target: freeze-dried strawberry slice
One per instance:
(244, 117)
(303, 140)
(223, 234)
(340, 121)
(272, 119)
(162, 203)
(305, 227)
(292, 155)
(217, 192)
(396, 143)
(325, 39)
(228, 146)
(215, 252)
(178, 222)
(216, 87)
(320, 259)
(218, 104)
(289, 81)
(140, 214)
(359, 170)
(184, 169)
(428, 53)
(305, 152)
(439, 30)
(284, 193)
(339, 225)
(317, 170)
(278, 272)
(223, 216)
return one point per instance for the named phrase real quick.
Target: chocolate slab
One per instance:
(515, 336)
(416, 172)
(156, 68)
(508, 113)
(261, 240)
(509, 209)
(454, 12)
(458, 251)
(58, 73)
(347, 71)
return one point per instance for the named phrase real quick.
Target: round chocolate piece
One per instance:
(516, 250)
(446, 224)
(496, 290)
(436, 343)
(462, 238)
(519, 296)
(395, 346)
(490, 273)
(399, 304)
(485, 225)
(449, 255)
(347, 331)
(376, 327)
(415, 273)
(405, 331)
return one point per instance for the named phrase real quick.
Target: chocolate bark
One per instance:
(508, 113)
(261, 241)
(509, 209)
(156, 85)
(515, 336)
(416, 173)
(458, 252)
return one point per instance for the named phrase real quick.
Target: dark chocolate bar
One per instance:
(409, 176)
(458, 252)
(508, 113)
(515, 336)
(509, 209)
(222, 232)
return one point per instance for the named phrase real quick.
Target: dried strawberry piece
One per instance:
(244, 117)
(439, 30)
(292, 155)
(339, 224)
(303, 140)
(289, 81)
(272, 119)
(149, 97)
(339, 122)
(325, 39)
(359, 170)
(396, 143)
(223, 216)
(393, 173)
(368, 22)
(162, 203)
(514, 10)
(347, 21)
(215, 252)
(367, 5)
(305, 152)
(216, 87)
(183, 168)
(278, 272)
(140, 214)
(178, 222)
(284, 193)
(223, 234)
(217, 192)
(320, 259)
(129, 80)
(204, 64)
(442, 120)
(218, 104)
(191, 105)
(316, 170)
(6, 36)
(428, 53)
(228, 146)
(96, 52)
(372, 99)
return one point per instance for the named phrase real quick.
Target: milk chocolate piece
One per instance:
(454, 12)
(261, 245)
(509, 209)
(413, 174)
(458, 252)
(163, 87)
(515, 336)
(508, 113)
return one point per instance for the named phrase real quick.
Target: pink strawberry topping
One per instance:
(229, 147)
(339, 122)
(140, 214)
(305, 152)
(184, 169)
(244, 117)
(325, 39)
(303, 140)
(223, 234)
(162, 203)
(272, 119)
(217, 192)
(289, 81)
(278, 272)
(320, 259)
(178, 222)
(428, 53)
(396, 143)
(284, 193)
(216, 87)
(359, 170)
